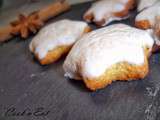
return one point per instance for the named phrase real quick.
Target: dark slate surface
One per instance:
(26, 85)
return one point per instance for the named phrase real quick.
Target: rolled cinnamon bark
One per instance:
(43, 15)
(53, 10)
(5, 33)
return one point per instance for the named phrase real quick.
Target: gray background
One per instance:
(9, 3)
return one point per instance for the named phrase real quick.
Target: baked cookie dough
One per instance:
(116, 52)
(56, 39)
(147, 18)
(105, 11)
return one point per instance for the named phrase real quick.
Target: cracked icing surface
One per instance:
(96, 51)
(63, 32)
(104, 9)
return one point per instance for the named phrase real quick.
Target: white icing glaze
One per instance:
(143, 4)
(154, 36)
(104, 9)
(63, 32)
(98, 50)
(149, 14)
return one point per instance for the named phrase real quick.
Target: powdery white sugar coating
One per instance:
(97, 51)
(106, 8)
(149, 14)
(63, 32)
(145, 4)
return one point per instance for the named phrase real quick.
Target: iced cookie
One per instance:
(117, 52)
(147, 18)
(143, 4)
(56, 39)
(105, 11)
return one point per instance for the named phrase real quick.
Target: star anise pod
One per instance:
(26, 24)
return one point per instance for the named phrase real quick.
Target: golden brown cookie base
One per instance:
(55, 54)
(87, 29)
(88, 17)
(144, 24)
(120, 71)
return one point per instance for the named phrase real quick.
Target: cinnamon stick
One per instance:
(43, 15)
(53, 10)
(5, 33)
